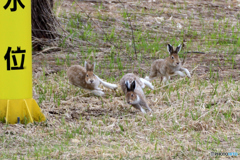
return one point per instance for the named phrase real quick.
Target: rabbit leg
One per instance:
(137, 106)
(97, 92)
(153, 74)
(179, 73)
(147, 83)
(165, 79)
(146, 106)
(142, 110)
(143, 86)
(99, 89)
(186, 71)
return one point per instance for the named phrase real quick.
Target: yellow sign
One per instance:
(15, 49)
(16, 103)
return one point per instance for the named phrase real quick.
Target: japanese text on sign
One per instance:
(14, 5)
(8, 57)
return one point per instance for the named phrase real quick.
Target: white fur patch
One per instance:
(169, 48)
(128, 84)
(85, 64)
(147, 78)
(106, 84)
(180, 73)
(88, 81)
(99, 89)
(180, 47)
(164, 80)
(97, 92)
(94, 64)
(150, 109)
(147, 83)
(136, 101)
(142, 110)
(187, 72)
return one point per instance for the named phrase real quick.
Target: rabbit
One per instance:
(84, 77)
(169, 66)
(132, 86)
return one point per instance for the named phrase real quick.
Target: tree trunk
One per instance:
(44, 23)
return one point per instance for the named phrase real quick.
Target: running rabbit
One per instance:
(169, 66)
(132, 87)
(84, 77)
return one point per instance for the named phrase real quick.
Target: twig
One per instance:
(194, 68)
(133, 39)
(194, 52)
(204, 114)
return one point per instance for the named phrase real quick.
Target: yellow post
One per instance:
(16, 63)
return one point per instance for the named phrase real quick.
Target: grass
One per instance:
(191, 117)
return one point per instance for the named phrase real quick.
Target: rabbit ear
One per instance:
(85, 64)
(170, 48)
(94, 64)
(127, 85)
(179, 47)
(133, 85)
(89, 66)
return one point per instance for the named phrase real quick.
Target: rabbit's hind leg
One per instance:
(152, 75)
(165, 79)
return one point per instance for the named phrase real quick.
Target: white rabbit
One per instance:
(169, 66)
(132, 87)
(84, 77)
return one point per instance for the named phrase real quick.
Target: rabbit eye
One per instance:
(132, 95)
(172, 57)
(87, 75)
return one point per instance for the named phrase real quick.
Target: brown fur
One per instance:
(85, 78)
(131, 96)
(129, 77)
(167, 67)
(81, 77)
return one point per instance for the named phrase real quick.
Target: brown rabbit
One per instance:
(132, 87)
(84, 77)
(169, 66)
